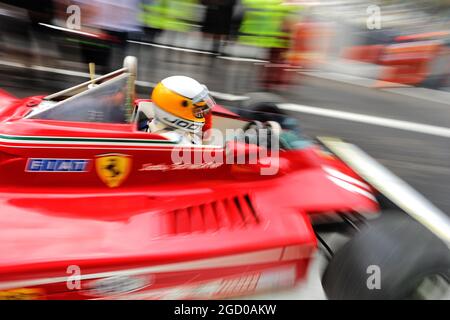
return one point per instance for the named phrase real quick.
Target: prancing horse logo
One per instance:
(113, 169)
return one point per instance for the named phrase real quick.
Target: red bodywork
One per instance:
(185, 233)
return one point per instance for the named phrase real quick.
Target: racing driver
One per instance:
(181, 108)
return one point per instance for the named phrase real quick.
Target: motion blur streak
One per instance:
(384, 122)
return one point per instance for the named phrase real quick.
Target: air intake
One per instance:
(232, 213)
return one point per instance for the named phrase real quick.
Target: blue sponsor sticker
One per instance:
(57, 165)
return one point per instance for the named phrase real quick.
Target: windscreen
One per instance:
(103, 103)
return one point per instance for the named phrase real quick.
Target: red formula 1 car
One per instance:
(92, 207)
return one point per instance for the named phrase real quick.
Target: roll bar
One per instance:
(129, 66)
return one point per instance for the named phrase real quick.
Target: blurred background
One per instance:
(375, 73)
(236, 46)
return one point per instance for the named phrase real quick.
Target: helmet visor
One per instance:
(203, 103)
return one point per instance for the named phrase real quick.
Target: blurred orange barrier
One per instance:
(409, 62)
(369, 54)
(309, 44)
(423, 36)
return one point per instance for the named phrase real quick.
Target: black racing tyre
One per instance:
(405, 253)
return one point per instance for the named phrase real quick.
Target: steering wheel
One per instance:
(262, 134)
(254, 125)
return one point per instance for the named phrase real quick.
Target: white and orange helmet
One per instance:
(182, 103)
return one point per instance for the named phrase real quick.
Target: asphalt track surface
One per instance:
(420, 158)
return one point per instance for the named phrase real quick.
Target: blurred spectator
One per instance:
(171, 15)
(27, 28)
(268, 24)
(265, 23)
(107, 24)
(236, 20)
(151, 31)
(38, 10)
(217, 22)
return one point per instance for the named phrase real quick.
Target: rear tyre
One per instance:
(402, 252)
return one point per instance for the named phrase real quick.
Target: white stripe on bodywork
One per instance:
(351, 187)
(105, 142)
(337, 174)
(237, 260)
(98, 147)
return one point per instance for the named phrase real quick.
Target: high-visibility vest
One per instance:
(173, 15)
(263, 21)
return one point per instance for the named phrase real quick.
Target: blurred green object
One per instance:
(264, 23)
(172, 15)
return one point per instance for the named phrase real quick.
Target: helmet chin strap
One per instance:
(177, 123)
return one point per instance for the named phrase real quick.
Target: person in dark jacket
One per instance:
(218, 20)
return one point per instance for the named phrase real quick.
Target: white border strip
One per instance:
(362, 118)
(69, 30)
(170, 47)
